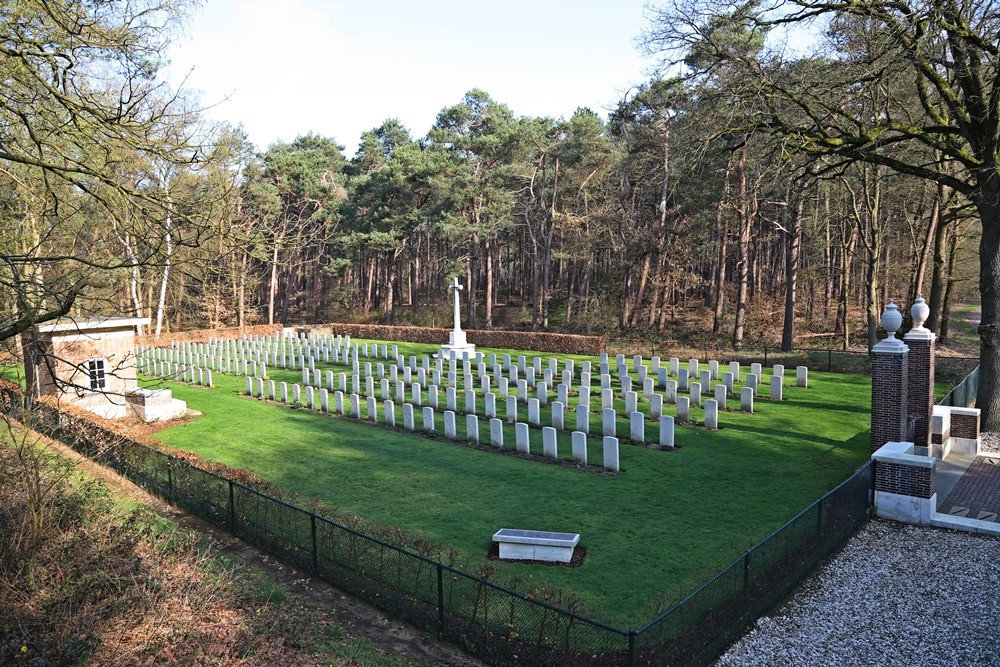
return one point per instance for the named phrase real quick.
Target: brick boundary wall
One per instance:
(964, 426)
(202, 335)
(904, 480)
(517, 340)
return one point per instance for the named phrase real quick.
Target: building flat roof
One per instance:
(82, 324)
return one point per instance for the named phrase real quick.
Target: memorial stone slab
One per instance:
(631, 402)
(550, 446)
(682, 379)
(609, 424)
(802, 376)
(582, 419)
(579, 442)
(755, 369)
(721, 396)
(637, 427)
(283, 391)
(696, 393)
(310, 396)
(472, 428)
(534, 413)
(470, 401)
(521, 438)
(296, 394)
(711, 414)
(683, 410)
(558, 416)
(449, 424)
(562, 393)
(746, 400)
(408, 417)
(355, 406)
(666, 431)
(752, 383)
(705, 379)
(776, 387)
(611, 453)
(655, 406)
(371, 406)
(496, 433)
(451, 399)
(510, 409)
(490, 409)
(607, 399)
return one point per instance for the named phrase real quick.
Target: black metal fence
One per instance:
(501, 626)
(964, 393)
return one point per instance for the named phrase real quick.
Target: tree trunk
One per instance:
(939, 275)
(162, 301)
(791, 270)
(743, 215)
(490, 286)
(719, 288)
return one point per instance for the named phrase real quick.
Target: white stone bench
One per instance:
(536, 545)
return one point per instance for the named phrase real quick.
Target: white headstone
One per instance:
(637, 427)
(472, 428)
(683, 409)
(609, 424)
(746, 400)
(776, 386)
(496, 433)
(449, 424)
(721, 395)
(802, 376)
(579, 441)
(582, 419)
(550, 447)
(611, 453)
(666, 431)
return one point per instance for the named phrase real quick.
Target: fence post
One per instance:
(232, 505)
(440, 572)
(170, 482)
(631, 648)
(765, 355)
(312, 522)
(829, 361)
(819, 523)
(746, 582)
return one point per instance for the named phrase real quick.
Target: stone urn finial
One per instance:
(892, 319)
(920, 311)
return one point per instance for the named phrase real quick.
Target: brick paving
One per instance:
(978, 491)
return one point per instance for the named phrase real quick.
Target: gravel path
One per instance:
(990, 443)
(895, 595)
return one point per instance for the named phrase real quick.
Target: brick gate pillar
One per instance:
(921, 341)
(890, 362)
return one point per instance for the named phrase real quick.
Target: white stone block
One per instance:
(534, 412)
(609, 424)
(355, 406)
(753, 380)
(283, 391)
(637, 427)
(711, 414)
(611, 453)
(746, 400)
(510, 409)
(249, 385)
(802, 376)
(705, 378)
(721, 395)
(449, 424)
(408, 417)
(496, 433)
(490, 408)
(579, 442)
(558, 415)
(296, 394)
(582, 419)
(324, 400)
(695, 391)
(683, 409)
(372, 409)
(756, 369)
(521, 437)
(666, 431)
(338, 402)
(470, 401)
(671, 391)
(472, 428)
(549, 442)
(655, 406)
(607, 399)
(631, 401)
(776, 386)
(682, 379)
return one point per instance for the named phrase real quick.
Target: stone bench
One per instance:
(536, 545)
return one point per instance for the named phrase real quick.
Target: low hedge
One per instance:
(517, 340)
(202, 335)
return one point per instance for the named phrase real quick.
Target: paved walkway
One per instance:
(977, 493)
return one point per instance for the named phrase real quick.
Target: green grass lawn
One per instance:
(669, 521)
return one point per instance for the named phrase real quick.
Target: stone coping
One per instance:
(901, 453)
(539, 537)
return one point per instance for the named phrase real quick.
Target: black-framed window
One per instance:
(97, 372)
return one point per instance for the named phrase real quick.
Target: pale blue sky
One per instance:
(339, 68)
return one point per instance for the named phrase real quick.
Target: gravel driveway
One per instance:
(895, 595)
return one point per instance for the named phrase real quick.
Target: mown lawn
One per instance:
(653, 533)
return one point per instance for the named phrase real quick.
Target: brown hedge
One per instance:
(202, 335)
(516, 340)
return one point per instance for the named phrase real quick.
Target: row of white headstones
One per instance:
(186, 357)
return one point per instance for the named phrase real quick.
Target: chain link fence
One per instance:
(501, 626)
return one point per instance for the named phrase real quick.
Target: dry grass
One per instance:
(89, 580)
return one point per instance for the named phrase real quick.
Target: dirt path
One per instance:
(394, 636)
